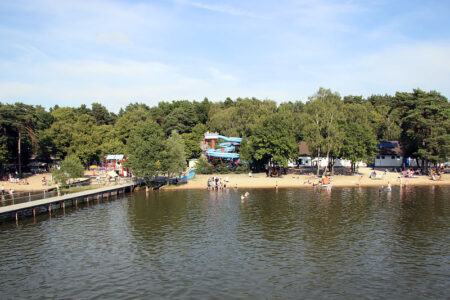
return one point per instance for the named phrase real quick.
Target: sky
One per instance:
(121, 51)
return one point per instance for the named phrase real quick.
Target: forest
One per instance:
(160, 139)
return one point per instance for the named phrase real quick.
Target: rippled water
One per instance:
(294, 243)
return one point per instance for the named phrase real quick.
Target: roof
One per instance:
(390, 148)
(115, 157)
(303, 149)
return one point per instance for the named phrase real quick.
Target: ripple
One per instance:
(197, 244)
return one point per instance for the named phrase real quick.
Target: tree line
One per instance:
(161, 138)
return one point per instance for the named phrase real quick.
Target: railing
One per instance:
(21, 197)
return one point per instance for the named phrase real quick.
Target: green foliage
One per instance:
(174, 159)
(101, 115)
(360, 140)
(332, 126)
(84, 145)
(192, 141)
(322, 118)
(181, 119)
(59, 176)
(203, 166)
(125, 124)
(70, 168)
(425, 125)
(240, 118)
(145, 148)
(272, 138)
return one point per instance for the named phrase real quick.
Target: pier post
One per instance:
(29, 196)
(34, 213)
(50, 210)
(17, 217)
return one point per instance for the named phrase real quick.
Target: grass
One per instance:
(80, 188)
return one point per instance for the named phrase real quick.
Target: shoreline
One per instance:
(259, 180)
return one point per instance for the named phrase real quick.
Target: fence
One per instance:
(21, 197)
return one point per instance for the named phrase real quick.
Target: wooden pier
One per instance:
(60, 201)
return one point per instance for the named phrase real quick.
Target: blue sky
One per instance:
(117, 52)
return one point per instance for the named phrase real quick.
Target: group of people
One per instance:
(15, 179)
(3, 192)
(216, 183)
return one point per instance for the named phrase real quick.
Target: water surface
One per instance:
(294, 243)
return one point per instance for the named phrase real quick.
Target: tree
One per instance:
(425, 126)
(272, 139)
(84, 145)
(18, 120)
(101, 115)
(322, 116)
(181, 119)
(58, 138)
(144, 149)
(174, 159)
(125, 125)
(192, 141)
(70, 168)
(359, 143)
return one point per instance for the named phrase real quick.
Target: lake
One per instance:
(290, 244)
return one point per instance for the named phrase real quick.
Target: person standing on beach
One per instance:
(3, 190)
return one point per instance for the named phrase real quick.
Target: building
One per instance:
(307, 159)
(390, 154)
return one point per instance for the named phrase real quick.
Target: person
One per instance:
(209, 183)
(325, 180)
(389, 188)
(3, 190)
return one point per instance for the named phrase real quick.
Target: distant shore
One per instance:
(259, 180)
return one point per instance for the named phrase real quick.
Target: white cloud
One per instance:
(113, 38)
(218, 8)
(395, 68)
(217, 74)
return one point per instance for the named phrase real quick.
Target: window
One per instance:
(393, 157)
(398, 157)
(378, 157)
(383, 157)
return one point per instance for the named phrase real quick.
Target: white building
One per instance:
(390, 155)
(307, 160)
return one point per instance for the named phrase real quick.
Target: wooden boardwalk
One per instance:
(52, 201)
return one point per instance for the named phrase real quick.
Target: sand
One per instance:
(34, 183)
(259, 180)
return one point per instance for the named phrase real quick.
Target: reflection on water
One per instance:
(290, 243)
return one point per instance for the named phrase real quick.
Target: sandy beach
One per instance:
(34, 183)
(259, 180)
